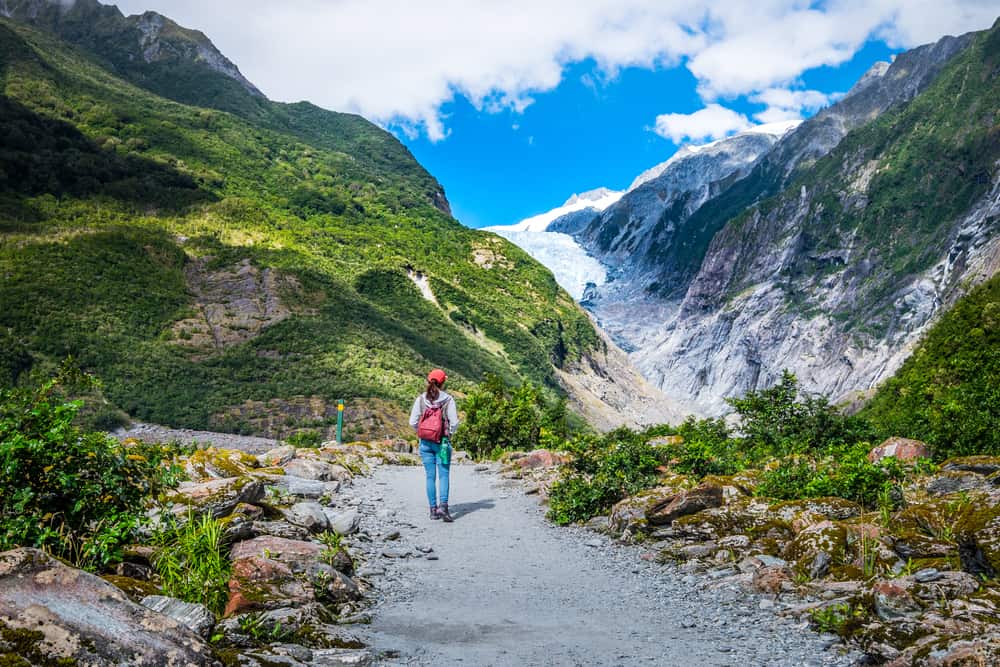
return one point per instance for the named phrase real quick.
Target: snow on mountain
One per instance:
(598, 199)
(778, 129)
(572, 267)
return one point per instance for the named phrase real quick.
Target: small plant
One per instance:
(255, 626)
(332, 546)
(832, 618)
(191, 564)
(308, 438)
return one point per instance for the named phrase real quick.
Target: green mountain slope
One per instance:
(948, 391)
(196, 259)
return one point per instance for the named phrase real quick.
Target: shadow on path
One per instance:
(460, 510)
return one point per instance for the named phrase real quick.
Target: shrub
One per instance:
(602, 473)
(847, 475)
(308, 438)
(707, 449)
(778, 421)
(501, 416)
(77, 494)
(191, 564)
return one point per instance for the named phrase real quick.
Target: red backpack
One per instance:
(432, 423)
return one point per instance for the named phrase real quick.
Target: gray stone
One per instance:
(344, 522)
(290, 485)
(314, 469)
(771, 561)
(280, 529)
(820, 565)
(927, 574)
(309, 515)
(85, 620)
(396, 552)
(195, 616)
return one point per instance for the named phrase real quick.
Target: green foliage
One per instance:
(255, 626)
(307, 438)
(778, 421)
(499, 416)
(948, 392)
(14, 359)
(79, 495)
(707, 449)
(191, 564)
(109, 194)
(846, 474)
(833, 618)
(604, 470)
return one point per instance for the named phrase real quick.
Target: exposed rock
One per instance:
(954, 481)
(217, 497)
(219, 464)
(541, 458)
(686, 502)
(280, 529)
(630, 513)
(825, 537)
(332, 585)
(903, 449)
(893, 601)
(772, 580)
(296, 486)
(278, 456)
(820, 565)
(294, 553)
(344, 522)
(259, 582)
(315, 469)
(309, 515)
(197, 617)
(832, 508)
(77, 618)
(982, 465)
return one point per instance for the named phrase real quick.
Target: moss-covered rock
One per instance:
(629, 515)
(828, 537)
(212, 463)
(982, 465)
(217, 497)
(832, 508)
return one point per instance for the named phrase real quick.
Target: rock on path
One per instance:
(509, 588)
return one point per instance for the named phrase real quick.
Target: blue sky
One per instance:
(498, 168)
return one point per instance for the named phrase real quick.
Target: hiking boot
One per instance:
(443, 513)
(435, 514)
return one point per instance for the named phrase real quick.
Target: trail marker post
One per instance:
(340, 422)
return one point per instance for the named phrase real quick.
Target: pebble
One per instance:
(594, 543)
(927, 574)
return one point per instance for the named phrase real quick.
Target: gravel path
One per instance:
(509, 588)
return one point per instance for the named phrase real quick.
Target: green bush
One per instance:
(499, 416)
(707, 449)
(603, 472)
(79, 495)
(847, 475)
(191, 564)
(778, 421)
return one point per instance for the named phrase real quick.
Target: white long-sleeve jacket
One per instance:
(450, 411)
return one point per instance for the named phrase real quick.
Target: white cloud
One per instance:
(712, 122)
(397, 60)
(786, 104)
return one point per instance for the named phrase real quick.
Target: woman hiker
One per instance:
(435, 418)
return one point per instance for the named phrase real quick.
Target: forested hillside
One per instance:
(196, 259)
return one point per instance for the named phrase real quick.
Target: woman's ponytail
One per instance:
(433, 390)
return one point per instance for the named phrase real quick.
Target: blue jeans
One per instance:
(435, 470)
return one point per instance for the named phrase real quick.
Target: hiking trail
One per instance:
(507, 587)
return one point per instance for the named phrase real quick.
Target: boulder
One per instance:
(684, 503)
(308, 515)
(316, 469)
(829, 508)
(903, 449)
(259, 582)
(541, 458)
(825, 537)
(894, 601)
(953, 481)
(280, 529)
(217, 497)
(197, 617)
(214, 463)
(982, 465)
(62, 615)
(629, 515)
(772, 580)
(332, 585)
(277, 456)
(296, 554)
(290, 485)
(344, 522)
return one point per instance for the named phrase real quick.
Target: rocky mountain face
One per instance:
(838, 275)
